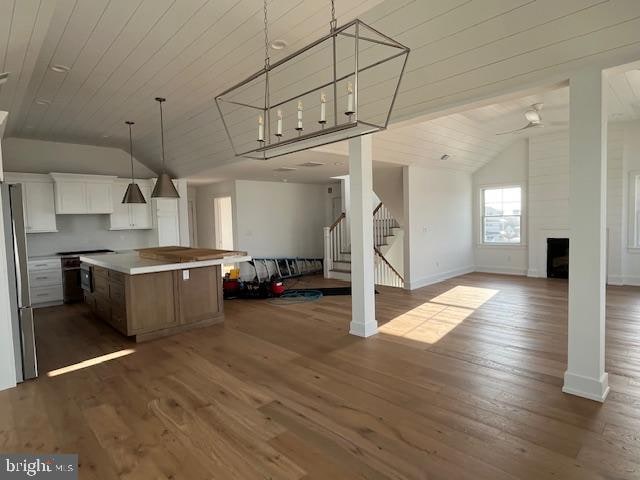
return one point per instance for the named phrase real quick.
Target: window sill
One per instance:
(515, 246)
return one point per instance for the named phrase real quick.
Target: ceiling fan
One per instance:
(533, 117)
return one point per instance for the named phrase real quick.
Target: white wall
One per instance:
(37, 156)
(630, 257)
(544, 170)
(280, 219)
(204, 211)
(387, 184)
(510, 167)
(83, 232)
(7, 359)
(439, 237)
(271, 219)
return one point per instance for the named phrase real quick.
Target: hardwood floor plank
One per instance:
(462, 382)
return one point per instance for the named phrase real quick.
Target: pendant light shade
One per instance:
(164, 187)
(133, 193)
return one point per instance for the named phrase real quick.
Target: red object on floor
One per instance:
(277, 288)
(230, 286)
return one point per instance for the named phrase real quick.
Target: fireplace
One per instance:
(557, 257)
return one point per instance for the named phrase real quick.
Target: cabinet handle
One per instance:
(41, 278)
(42, 295)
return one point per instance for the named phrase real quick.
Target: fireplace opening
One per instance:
(557, 257)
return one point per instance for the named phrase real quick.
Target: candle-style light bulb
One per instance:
(323, 108)
(299, 127)
(260, 129)
(279, 125)
(350, 110)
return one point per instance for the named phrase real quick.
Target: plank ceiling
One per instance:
(123, 53)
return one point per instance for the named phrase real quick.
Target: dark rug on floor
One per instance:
(329, 291)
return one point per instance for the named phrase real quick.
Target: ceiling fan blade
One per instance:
(526, 127)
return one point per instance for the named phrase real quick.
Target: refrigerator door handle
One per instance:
(29, 359)
(20, 245)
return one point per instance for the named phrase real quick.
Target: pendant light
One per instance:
(164, 187)
(320, 105)
(133, 193)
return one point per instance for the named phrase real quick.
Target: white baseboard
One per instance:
(363, 329)
(437, 277)
(346, 277)
(595, 389)
(615, 280)
(632, 281)
(501, 270)
(532, 272)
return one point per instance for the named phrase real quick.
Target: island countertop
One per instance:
(131, 263)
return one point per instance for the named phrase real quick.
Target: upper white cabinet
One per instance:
(75, 194)
(38, 200)
(131, 216)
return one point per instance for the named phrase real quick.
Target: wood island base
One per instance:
(151, 305)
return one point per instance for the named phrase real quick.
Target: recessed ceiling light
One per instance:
(106, 135)
(60, 68)
(43, 101)
(310, 164)
(445, 157)
(337, 164)
(279, 44)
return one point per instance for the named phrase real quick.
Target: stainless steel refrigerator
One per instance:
(21, 312)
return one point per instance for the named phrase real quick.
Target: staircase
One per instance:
(338, 253)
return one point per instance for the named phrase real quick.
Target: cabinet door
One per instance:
(141, 216)
(40, 212)
(120, 219)
(168, 230)
(71, 197)
(99, 197)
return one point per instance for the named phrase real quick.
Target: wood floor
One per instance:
(462, 382)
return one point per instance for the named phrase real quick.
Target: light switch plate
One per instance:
(185, 274)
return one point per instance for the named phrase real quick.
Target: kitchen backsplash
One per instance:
(81, 232)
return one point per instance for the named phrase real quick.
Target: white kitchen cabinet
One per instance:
(131, 216)
(99, 197)
(83, 194)
(45, 281)
(167, 221)
(38, 201)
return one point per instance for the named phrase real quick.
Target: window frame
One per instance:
(523, 216)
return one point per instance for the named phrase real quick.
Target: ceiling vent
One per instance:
(311, 164)
(284, 169)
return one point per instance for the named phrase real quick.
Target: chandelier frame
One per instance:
(269, 147)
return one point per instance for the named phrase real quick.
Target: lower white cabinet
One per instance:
(38, 201)
(131, 216)
(45, 281)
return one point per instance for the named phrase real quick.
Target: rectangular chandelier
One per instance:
(341, 86)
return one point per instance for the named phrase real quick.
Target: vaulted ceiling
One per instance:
(123, 53)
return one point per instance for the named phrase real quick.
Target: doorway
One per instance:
(223, 223)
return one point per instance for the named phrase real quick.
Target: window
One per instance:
(501, 215)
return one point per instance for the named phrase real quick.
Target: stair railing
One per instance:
(384, 273)
(383, 223)
(333, 243)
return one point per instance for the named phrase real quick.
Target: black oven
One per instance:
(85, 278)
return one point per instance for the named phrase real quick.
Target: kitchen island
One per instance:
(157, 292)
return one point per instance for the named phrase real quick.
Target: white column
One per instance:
(363, 321)
(327, 264)
(585, 375)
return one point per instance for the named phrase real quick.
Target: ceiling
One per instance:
(123, 53)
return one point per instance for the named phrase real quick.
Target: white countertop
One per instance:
(132, 264)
